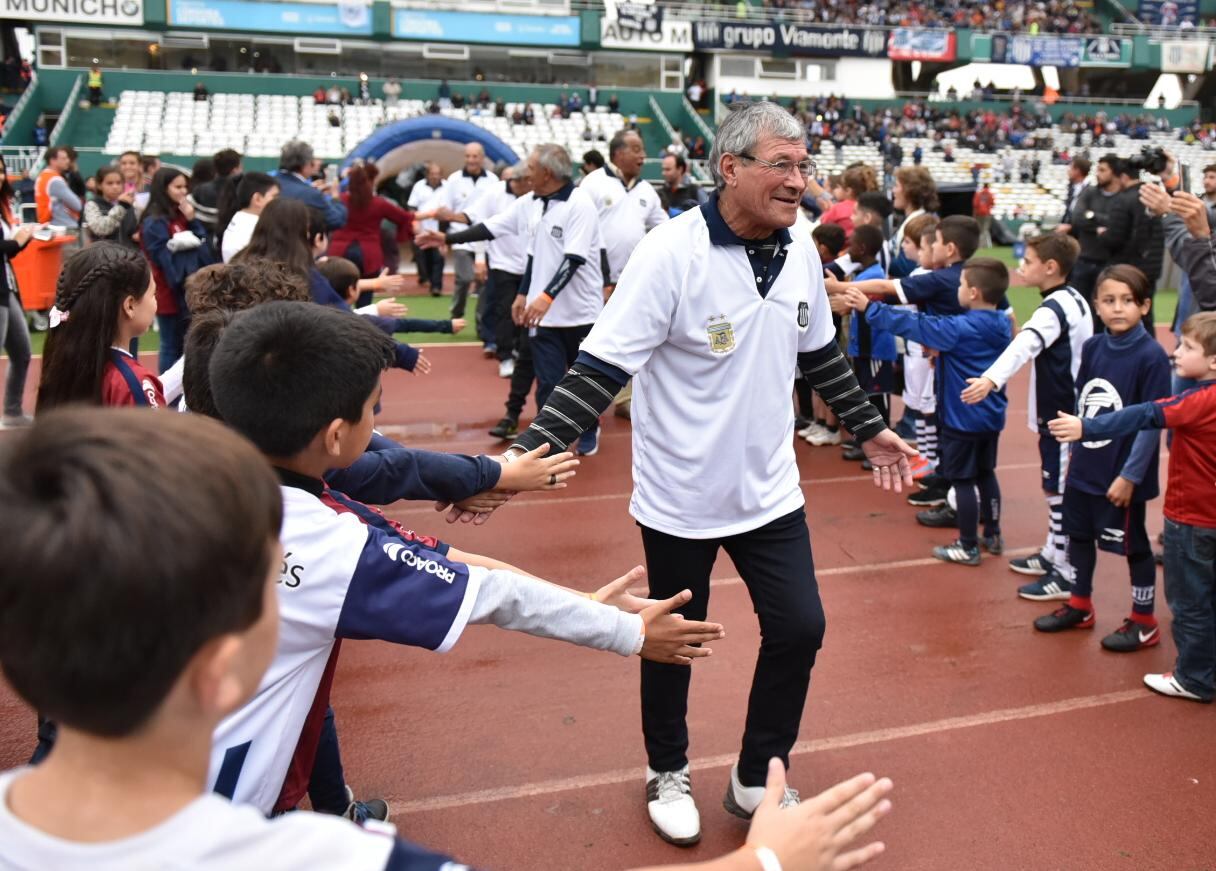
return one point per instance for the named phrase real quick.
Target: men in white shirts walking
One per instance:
(628, 207)
(562, 292)
(425, 196)
(458, 192)
(713, 314)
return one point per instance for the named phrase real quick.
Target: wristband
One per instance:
(768, 859)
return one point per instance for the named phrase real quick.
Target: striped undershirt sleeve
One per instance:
(573, 408)
(829, 373)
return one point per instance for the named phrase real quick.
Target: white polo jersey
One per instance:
(212, 834)
(423, 198)
(626, 214)
(713, 364)
(458, 192)
(566, 223)
(508, 250)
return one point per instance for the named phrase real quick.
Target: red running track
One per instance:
(1009, 750)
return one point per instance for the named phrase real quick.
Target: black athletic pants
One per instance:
(504, 329)
(523, 377)
(775, 563)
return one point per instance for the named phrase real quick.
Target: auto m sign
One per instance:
(788, 39)
(1106, 51)
(93, 11)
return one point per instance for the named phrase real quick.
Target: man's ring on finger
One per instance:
(552, 480)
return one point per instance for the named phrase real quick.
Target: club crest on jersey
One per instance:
(1098, 396)
(804, 314)
(721, 335)
(556, 232)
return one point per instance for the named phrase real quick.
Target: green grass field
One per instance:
(1024, 300)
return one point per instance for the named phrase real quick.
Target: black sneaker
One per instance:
(1132, 636)
(957, 552)
(931, 480)
(941, 517)
(1065, 617)
(507, 428)
(930, 496)
(994, 544)
(362, 811)
(853, 453)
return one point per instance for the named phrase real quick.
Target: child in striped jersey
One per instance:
(918, 397)
(1053, 336)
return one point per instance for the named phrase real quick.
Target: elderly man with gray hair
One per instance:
(712, 315)
(297, 165)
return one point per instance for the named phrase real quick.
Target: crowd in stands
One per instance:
(1015, 16)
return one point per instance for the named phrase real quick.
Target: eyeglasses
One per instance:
(782, 167)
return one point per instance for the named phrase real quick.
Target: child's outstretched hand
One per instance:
(1120, 492)
(669, 637)
(536, 471)
(423, 366)
(857, 300)
(978, 391)
(1066, 427)
(839, 303)
(616, 593)
(458, 324)
(390, 308)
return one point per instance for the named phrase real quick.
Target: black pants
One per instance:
(776, 565)
(523, 377)
(1084, 279)
(327, 783)
(429, 263)
(504, 330)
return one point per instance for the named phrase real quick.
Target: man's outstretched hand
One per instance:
(889, 455)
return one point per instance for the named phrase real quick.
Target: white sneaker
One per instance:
(1168, 685)
(810, 429)
(673, 813)
(824, 437)
(506, 368)
(742, 801)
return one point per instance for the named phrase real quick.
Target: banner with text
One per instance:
(487, 27)
(1185, 56)
(76, 11)
(635, 25)
(323, 19)
(1107, 51)
(785, 39)
(1169, 13)
(907, 43)
(1037, 51)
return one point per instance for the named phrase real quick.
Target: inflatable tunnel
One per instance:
(404, 144)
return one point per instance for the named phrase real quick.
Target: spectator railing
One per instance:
(25, 97)
(1156, 31)
(515, 7)
(705, 129)
(20, 158)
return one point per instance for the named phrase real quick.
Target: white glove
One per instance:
(183, 241)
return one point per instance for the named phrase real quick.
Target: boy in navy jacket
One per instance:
(969, 343)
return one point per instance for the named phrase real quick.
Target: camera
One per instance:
(1151, 159)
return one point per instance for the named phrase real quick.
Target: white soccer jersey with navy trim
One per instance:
(347, 572)
(626, 214)
(499, 209)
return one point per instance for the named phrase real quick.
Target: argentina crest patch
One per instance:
(721, 335)
(804, 314)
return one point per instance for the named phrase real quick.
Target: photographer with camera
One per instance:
(1091, 223)
(1135, 234)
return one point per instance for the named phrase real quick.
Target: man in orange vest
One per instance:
(53, 198)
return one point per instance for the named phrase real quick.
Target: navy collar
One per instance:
(561, 194)
(720, 232)
(612, 172)
(288, 478)
(475, 178)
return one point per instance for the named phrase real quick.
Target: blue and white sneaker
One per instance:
(1034, 564)
(588, 443)
(1052, 587)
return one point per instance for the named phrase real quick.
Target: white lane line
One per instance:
(544, 501)
(802, 748)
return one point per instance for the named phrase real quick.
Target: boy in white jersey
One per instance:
(125, 786)
(1053, 337)
(302, 385)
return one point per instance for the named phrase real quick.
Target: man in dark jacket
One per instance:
(297, 165)
(1091, 223)
(1136, 234)
(679, 192)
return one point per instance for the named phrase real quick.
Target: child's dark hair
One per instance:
(963, 232)
(129, 560)
(830, 236)
(284, 234)
(1123, 273)
(91, 289)
(240, 285)
(341, 274)
(206, 329)
(160, 204)
(1063, 249)
(867, 241)
(1201, 327)
(237, 193)
(285, 370)
(873, 201)
(105, 171)
(987, 275)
